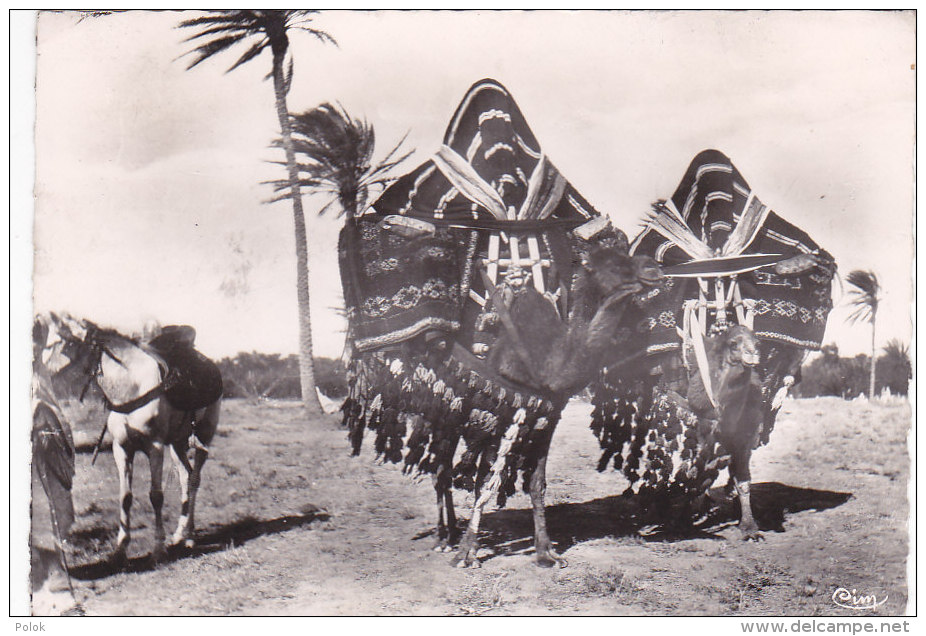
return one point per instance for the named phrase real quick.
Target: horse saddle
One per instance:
(193, 380)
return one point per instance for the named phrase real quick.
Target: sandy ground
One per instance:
(289, 524)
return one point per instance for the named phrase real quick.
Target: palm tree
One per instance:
(221, 30)
(865, 298)
(336, 158)
(894, 367)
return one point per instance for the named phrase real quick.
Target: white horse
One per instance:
(131, 377)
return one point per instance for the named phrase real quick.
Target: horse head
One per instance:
(59, 341)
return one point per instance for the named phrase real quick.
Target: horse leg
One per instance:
(156, 495)
(739, 470)
(189, 485)
(124, 459)
(546, 555)
(199, 458)
(178, 452)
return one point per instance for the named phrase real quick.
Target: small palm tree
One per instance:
(335, 153)
(265, 29)
(894, 367)
(865, 296)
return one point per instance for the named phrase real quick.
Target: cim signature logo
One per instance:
(851, 599)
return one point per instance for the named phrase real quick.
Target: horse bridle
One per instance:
(93, 370)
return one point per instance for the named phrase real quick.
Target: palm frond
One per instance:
(335, 156)
(318, 33)
(288, 77)
(862, 313)
(864, 295)
(233, 29)
(218, 16)
(228, 27)
(250, 54)
(864, 281)
(212, 48)
(896, 349)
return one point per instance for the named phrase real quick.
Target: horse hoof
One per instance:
(157, 557)
(119, 559)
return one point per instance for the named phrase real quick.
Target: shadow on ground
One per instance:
(213, 539)
(511, 531)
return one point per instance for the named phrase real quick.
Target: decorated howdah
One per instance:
(713, 214)
(432, 276)
(488, 194)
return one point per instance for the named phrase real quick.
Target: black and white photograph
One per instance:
(464, 313)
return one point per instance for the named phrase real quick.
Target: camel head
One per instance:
(739, 347)
(614, 272)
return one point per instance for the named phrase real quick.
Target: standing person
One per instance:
(53, 473)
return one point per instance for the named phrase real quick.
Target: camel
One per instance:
(748, 295)
(541, 352)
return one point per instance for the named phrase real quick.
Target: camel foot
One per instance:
(474, 564)
(549, 558)
(442, 545)
(465, 558)
(751, 532)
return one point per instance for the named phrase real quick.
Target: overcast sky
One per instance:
(148, 196)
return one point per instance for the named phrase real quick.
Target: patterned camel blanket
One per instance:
(718, 207)
(489, 176)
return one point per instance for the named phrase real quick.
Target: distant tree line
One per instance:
(269, 375)
(247, 375)
(830, 374)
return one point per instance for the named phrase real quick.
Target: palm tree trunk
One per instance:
(871, 378)
(306, 366)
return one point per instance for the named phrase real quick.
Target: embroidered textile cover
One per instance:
(490, 169)
(711, 199)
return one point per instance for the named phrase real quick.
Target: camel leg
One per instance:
(156, 495)
(447, 533)
(124, 460)
(546, 555)
(453, 533)
(739, 469)
(441, 544)
(466, 553)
